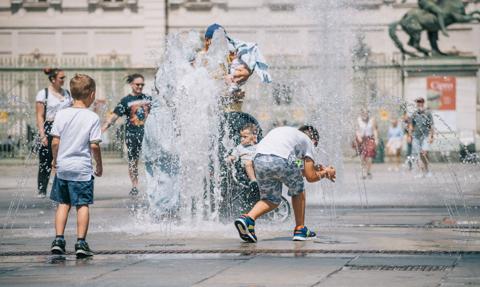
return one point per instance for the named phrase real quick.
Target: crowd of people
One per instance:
(70, 136)
(412, 133)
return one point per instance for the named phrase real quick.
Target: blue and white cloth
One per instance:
(250, 54)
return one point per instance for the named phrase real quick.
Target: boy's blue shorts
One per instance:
(72, 192)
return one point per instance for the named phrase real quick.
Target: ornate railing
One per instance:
(22, 77)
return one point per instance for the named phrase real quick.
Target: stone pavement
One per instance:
(393, 230)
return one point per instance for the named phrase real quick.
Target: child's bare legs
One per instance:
(298, 204)
(83, 219)
(260, 208)
(250, 171)
(61, 217)
(133, 171)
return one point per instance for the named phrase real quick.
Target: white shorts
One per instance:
(419, 145)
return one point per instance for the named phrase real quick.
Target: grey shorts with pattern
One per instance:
(271, 171)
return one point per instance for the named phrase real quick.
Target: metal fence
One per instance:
(21, 78)
(377, 82)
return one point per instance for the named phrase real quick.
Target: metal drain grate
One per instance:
(419, 268)
(253, 252)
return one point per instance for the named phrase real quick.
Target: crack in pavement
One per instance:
(116, 269)
(333, 272)
(242, 261)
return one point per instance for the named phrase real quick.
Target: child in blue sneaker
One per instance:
(275, 164)
(76, 137)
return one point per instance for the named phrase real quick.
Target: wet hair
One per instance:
(310, 131)
(81, 86)
(51, 73)
(132, 77)
(250, 127)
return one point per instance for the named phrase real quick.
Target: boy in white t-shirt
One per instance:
(276, 164)
(76, 137)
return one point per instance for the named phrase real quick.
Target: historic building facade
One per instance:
(108, 38)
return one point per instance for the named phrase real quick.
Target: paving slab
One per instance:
(390, 231)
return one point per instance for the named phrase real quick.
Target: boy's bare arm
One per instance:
(97, 156)
(327, 172)
(310, 172)
(55, 144)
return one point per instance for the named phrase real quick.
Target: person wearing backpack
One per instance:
(49, 101)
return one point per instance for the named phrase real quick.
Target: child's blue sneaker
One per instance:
(302, 233)
(246, 228)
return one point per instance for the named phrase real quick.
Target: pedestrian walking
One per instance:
(408, 137)
(135, 107)
(422, 131)
(395, 143)
(366, 141)
(49, 101)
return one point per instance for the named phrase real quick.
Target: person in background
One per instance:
(422, 131)
(10, 145)
(366, 141)
(49, 101)
(408, 136)
(136, 107)
(394, 143)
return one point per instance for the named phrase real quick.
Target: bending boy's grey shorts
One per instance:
(71, 192)
(271, 171)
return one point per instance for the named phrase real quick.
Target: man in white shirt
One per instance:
(276, 164)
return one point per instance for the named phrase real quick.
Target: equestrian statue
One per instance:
(432, 16)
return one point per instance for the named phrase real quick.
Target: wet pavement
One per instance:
(393, 230)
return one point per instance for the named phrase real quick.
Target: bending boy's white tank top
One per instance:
(77, 128)
(285, 141)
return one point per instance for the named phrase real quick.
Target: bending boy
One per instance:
(275, 164)
(76, 136)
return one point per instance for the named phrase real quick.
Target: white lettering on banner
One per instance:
(441, 86)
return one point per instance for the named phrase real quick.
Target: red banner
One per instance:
(441, 93)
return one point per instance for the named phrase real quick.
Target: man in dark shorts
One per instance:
(136, 107)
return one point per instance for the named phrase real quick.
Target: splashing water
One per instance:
(181, 138)
(185, 118)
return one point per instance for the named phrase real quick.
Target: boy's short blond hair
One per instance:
(81, 86)
(250, 127)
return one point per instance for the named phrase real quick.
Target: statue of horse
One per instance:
(417, 20)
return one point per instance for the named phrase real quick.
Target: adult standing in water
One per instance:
(48, 102)
(241, 60)
(136, 107)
